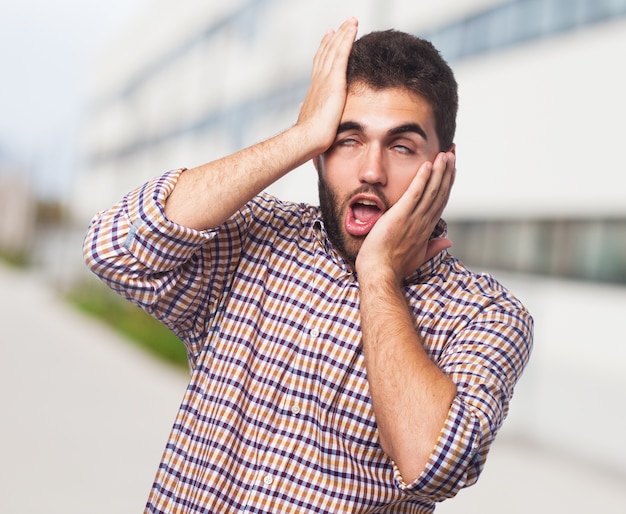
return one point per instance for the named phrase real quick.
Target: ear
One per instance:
(452, 148)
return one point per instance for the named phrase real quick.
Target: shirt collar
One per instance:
(431, 268)
(321, 237)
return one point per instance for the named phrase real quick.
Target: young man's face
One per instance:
(383, 138)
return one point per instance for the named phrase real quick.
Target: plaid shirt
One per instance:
(277, 416)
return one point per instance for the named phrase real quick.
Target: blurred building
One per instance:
(540, 187)
(17, 214)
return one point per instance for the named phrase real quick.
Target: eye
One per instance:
(348, 141)
(403, 149)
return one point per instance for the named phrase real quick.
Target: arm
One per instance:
(152, 247)
(410, 394)
(207, 195)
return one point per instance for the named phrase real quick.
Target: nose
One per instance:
(373, 169)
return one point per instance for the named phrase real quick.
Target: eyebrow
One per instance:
(349, 125)
(408, 127)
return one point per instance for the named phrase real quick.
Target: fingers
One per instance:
(345, 32)
(335, 46)
(433, 183)
(321, 110)
(448, 174)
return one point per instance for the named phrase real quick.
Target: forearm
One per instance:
(410, 394)
(206, 196)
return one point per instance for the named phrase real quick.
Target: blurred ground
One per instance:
(86, 417)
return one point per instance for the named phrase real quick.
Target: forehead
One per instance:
(387, 108)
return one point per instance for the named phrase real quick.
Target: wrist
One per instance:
(314, 136)
(377, 276)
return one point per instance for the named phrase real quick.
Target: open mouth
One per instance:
(363, 212)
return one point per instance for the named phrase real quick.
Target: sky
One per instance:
(47, 48)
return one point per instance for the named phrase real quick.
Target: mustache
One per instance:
(369, 190)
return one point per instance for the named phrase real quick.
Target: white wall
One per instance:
(571, 397)
(541, 128)
(242, 62)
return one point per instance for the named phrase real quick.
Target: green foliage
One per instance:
(130, 321)
(14, 259)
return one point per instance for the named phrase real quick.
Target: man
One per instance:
(342, 360)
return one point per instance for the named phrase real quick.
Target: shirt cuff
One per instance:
(456, 460)
(153, 240)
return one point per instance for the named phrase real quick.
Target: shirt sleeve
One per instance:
(150, 260)
(485, 360)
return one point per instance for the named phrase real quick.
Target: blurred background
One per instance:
(97, 97)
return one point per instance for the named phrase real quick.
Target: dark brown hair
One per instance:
(392, 58)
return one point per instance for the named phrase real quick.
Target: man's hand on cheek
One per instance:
(400, 241)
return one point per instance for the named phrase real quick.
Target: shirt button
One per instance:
(315, 332)
(295, 410)
(268, 480)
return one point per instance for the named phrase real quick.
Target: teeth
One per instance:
(367, 202)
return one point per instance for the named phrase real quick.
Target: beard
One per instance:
(333, 214)
(333, 221)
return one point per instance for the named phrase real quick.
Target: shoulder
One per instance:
(460, 306)
(482, 284)
(267, 210)
(266, 220)
(463, 293)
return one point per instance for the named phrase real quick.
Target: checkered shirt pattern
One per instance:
(277, 416)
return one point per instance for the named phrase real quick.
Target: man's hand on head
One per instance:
(320, 113)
